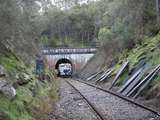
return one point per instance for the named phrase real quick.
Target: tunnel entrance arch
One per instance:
(63, 61)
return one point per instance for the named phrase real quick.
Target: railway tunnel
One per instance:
(75, 58)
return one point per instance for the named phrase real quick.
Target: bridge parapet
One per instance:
(54, 51)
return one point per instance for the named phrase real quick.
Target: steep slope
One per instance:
(94, 64)
(148, 51)
(29, 98)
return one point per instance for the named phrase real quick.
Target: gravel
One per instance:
(71, 105)
(112, 107)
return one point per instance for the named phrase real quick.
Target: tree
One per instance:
(20, 27)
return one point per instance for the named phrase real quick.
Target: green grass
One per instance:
(148, 51)
(33, 99)
(10, 64)
(13, 109)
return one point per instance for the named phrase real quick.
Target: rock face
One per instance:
(2, 83)
(6, 88)
(8, 91)
(23, 78)
(2, 71)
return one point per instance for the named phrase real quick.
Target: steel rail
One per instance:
(122, 97)
(98, 113)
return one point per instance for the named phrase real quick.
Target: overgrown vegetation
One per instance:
(21, 24)
(34, 99)
(148, 51)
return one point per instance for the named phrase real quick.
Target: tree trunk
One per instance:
(88, 36)
(158, 11)
(82, 38)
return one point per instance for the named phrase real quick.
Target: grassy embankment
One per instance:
(149, 51)
(34, 99)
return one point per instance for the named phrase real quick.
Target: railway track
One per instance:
(72, 105)
(123, 97)
(108, 105)
(99, 115)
